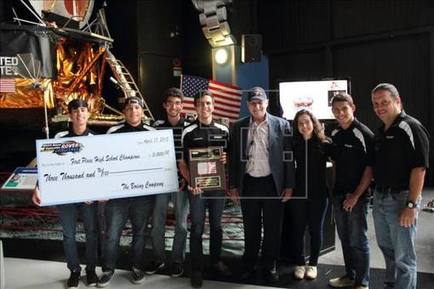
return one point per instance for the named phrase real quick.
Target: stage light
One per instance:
(221, 56)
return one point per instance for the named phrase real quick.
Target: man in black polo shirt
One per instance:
(352, 152)
(401, 159)
(88, 211)
(172, 103)
(118, 211)
(204, 132)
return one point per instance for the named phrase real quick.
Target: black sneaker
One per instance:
(138, 275)
(248, 275)
(73, 280)
(271, 275)
(105, 278)
(177, 270)
(221, 269)
(91, 278)
(153, 267)
(196, 279)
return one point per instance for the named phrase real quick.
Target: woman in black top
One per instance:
(309, 203)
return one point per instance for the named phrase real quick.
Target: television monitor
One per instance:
(312, 95)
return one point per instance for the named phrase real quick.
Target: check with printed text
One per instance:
(102, 167)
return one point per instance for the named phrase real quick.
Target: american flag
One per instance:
(227, 97)
(7, 85)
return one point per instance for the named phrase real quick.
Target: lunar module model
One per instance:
(59, 57)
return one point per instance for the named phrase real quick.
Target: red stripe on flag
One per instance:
(227, 93)
(227, 108)
(224, 84)
(222, 109)
(222, 100)
(225, 115)
(7, 85)
(227, 97)
(188, 107)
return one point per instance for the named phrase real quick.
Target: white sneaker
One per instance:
(299, 272)
(311, 272)
(341, 282)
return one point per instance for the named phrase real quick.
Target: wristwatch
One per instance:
(411, 205)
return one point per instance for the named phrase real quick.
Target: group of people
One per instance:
(393, 161)
(269, 164)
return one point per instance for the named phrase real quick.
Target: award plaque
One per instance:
(206, 169)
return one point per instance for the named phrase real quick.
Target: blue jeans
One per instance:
(159, 226)
(353, 232)
(396, 242)
(117, 212)
(68, 218)
(198, 205)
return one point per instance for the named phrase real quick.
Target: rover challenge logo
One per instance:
(62, 148)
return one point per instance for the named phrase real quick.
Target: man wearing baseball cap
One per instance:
(262, 177)
(137, 209)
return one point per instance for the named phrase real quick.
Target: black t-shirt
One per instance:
(404, 146)
(71, 133)
(310, 173)
(198, 135)
(126, 127)
(177, 133)
(352, 151)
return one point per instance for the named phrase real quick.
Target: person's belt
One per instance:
(389, 190)
(258, 178)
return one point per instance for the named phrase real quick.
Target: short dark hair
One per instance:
(386, 86)
(173, 92)
(342, 97)
(201, 94)
(76, 103)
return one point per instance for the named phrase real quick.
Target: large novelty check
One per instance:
(104, 167)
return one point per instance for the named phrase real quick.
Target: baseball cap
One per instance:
(133, 100)
(256, 93)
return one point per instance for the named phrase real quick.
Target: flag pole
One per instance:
(180, 81)
(46, 128)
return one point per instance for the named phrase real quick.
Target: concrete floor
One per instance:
(424, 242)
(35, 274)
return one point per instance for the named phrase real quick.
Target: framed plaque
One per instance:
(206, 169)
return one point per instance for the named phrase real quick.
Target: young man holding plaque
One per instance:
(68, 213)
(200, 136)
(262, 176)
(118, 211)
(172, 103)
